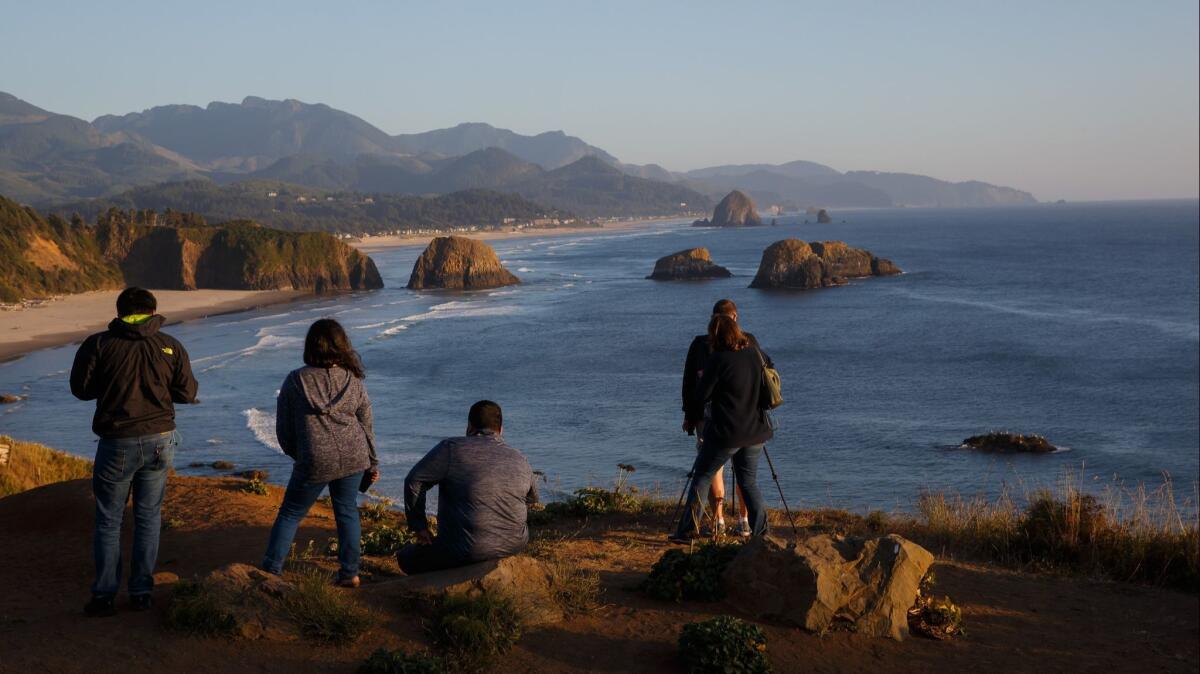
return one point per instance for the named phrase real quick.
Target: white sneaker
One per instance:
(743, 529)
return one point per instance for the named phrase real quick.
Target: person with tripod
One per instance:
(736, 429)
(694, 413)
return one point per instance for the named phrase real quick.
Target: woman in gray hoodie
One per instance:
(323, 421)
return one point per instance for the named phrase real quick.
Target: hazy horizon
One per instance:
(1087, 101)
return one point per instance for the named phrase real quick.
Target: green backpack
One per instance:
(770, 395)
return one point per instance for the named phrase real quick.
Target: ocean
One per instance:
(1080, 322)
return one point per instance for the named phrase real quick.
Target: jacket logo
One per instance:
(168, 350)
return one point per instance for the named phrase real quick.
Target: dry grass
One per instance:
(324, 613)
(32, 465)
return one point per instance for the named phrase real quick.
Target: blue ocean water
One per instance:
(1080, 322)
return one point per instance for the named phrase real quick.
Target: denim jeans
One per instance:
(141, 463)
(745, 471)
(297, 500)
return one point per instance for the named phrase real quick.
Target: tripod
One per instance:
(774, 476)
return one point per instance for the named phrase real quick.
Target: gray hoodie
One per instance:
(323, 421)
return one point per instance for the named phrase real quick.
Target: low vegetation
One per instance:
(472, 631)
(255, 486)
(323, 613)
(31, 465)
(196, 610)
(934, 617)
(723, 645)
(693, 575)
(621, 498)
(384, 661)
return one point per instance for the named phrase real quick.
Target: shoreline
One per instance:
(71, 318)
(390, 241)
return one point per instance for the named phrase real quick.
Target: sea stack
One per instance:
(823, 217)
(735, 210)
(796, 265)
(459, 263)
(687, 265)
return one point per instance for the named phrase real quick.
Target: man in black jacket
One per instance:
(135, 374)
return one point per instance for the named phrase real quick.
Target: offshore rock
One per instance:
(459, 263)
(798, 265)
(735, 210)
(1010, 443)
(823, 217)
(687, 265)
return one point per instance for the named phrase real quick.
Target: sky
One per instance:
(1070, 100)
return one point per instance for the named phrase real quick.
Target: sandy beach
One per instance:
(71, 318)
(384, 242)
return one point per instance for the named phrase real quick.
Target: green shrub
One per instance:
(385, 540)
(323, 613)
(723, 645)
(473, 630)
(193, 609)
(693, 575)
(255, 486)
(932, 617)
(384, 661)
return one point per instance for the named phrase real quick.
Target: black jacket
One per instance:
(732, 381)
(134, 373)
(697, 357)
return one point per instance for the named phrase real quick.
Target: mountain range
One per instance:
(48, 158)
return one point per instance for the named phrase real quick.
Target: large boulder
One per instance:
(527, 581)
(798, 265)
(687, 265)
(253, 598)
(735, 210)
(459, 263)
(867, 584)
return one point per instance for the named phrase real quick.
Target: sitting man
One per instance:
(485, 490)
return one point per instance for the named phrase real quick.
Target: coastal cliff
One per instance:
(687, 265)
(45, 256)
(798, 265)
(459, 263)
(736, 210)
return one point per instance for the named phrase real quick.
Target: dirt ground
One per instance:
(1016, 622)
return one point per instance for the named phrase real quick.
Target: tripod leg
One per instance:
(775, 477)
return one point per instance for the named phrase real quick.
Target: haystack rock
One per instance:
(823, 217)
(687, 265)
(735, 210)
(869, 583)
(797, 265)
(459, 263)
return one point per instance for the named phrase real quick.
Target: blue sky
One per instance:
(1076, 100)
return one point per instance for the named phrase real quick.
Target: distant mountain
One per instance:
(50, 158)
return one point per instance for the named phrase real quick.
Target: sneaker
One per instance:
(101, 606)
(141, 602)
(743, 528)
(349, 582)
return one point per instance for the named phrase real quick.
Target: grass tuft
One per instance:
(474, 630)
(324, 613)
(384, 661)
(32, 465)
(194, 609)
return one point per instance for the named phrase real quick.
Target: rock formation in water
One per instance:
(797, 265)
(687, 265)
(235, 256)
(459, 263)
(735, 210)
(1010, 443)
(823, 217)
(867, 584)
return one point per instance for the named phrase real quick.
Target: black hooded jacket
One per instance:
(135, 374)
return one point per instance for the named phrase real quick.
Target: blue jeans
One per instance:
(745, 471)
(141, 463)
(297, 500)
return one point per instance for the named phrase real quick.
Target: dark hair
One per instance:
(136, 301)
(726, 307)
(327, 345)
(485, 415)
(725, 335)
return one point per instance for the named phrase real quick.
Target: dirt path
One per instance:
(1016, 622)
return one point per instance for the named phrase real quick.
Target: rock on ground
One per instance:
(865, 584)
(252, 597)
(798, 265)
(526, 580)
(459, 263)
(694, 263)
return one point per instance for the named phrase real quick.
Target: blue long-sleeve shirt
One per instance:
(484, 487)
